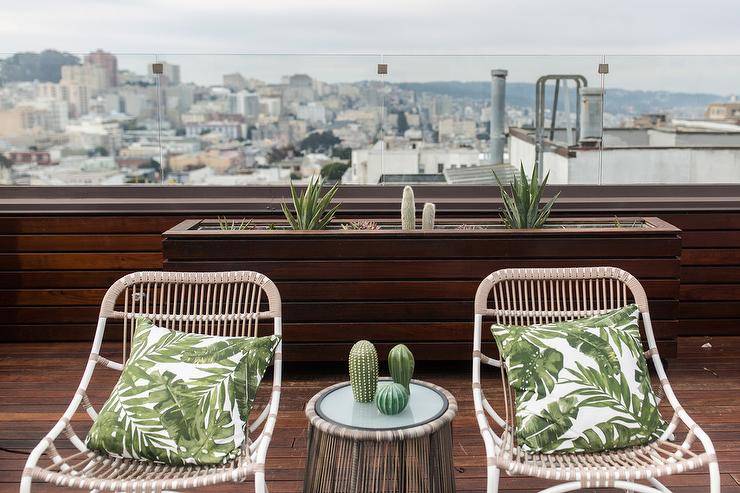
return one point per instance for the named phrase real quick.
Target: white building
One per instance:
(408, 158)
(312, 112)
(229, 130)
(676, 154)
(244, 103)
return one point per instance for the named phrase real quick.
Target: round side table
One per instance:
(354, 448)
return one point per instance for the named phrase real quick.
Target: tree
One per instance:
(319, 142)
(403, 124)
(334, 171)
(44, 67)
(342, 153)
(5, 162)
(100, 151)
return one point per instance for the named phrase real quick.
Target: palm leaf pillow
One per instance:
(182, 398)
(581, 385)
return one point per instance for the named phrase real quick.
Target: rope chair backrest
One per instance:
(536, 296)
(212, 303)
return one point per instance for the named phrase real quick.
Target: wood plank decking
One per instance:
(37, 380)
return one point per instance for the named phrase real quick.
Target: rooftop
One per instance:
(708, 380)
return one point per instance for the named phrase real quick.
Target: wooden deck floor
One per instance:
(37, 381)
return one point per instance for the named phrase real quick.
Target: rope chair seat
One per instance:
(656, 459)
(95, 471)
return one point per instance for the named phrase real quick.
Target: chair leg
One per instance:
(25, 486)
(714, 477)
(259, 482)
(494, 474)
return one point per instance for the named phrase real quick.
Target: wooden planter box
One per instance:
(417, 287)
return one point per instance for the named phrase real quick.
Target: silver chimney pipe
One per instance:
(498, 115)
(592, 108)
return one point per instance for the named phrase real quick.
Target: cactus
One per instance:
(408, 209)
(391, 398)
(401, 365)
(427, 216)
(363, 371)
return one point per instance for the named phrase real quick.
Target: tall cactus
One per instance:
(401, 365)
(363, 371)
(408, 209)
(427, 216)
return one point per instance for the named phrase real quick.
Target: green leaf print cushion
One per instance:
(581, 385)
(182, 398)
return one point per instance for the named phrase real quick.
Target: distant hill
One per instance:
(44, 66)
(522, 94)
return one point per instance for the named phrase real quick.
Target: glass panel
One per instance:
(263, 120)
(78, 119)
(339, 406)
(670, 119)
(447, 104)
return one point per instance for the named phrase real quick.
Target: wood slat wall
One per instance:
(318, 306)
(56, 260)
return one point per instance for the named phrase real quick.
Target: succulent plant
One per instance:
(363, 371)
(469, 227)
(427, 216)
(226, 224)
(391, 398)
(522, 208)
(311, 209)
(401, 365)
(408, 209)
(360, 224)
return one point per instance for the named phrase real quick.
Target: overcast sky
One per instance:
(186, 31)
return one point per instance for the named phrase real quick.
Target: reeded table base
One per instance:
(414, 459)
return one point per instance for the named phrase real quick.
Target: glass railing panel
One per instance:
(78, 119)
(451, 106)
(668, 120)
(266, 119)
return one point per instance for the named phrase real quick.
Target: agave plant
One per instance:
(522, 207)
(311, 208)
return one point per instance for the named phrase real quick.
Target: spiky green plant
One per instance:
(311, 208)
(225, 224)
(522, 207)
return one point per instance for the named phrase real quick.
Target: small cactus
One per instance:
(408, 209)
(401, 365)
(427, 216)
(363, 371)
(391, 398)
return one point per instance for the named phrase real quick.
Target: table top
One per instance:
(334, 410)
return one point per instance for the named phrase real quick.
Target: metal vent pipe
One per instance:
(498, 115)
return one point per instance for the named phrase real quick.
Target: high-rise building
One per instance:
(107, 61)
(93, 77)
(244, 103)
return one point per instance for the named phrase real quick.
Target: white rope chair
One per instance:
(532, 296)
(219, 303)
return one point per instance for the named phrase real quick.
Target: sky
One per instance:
(650, 44)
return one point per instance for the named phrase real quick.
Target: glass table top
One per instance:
(339, 406)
